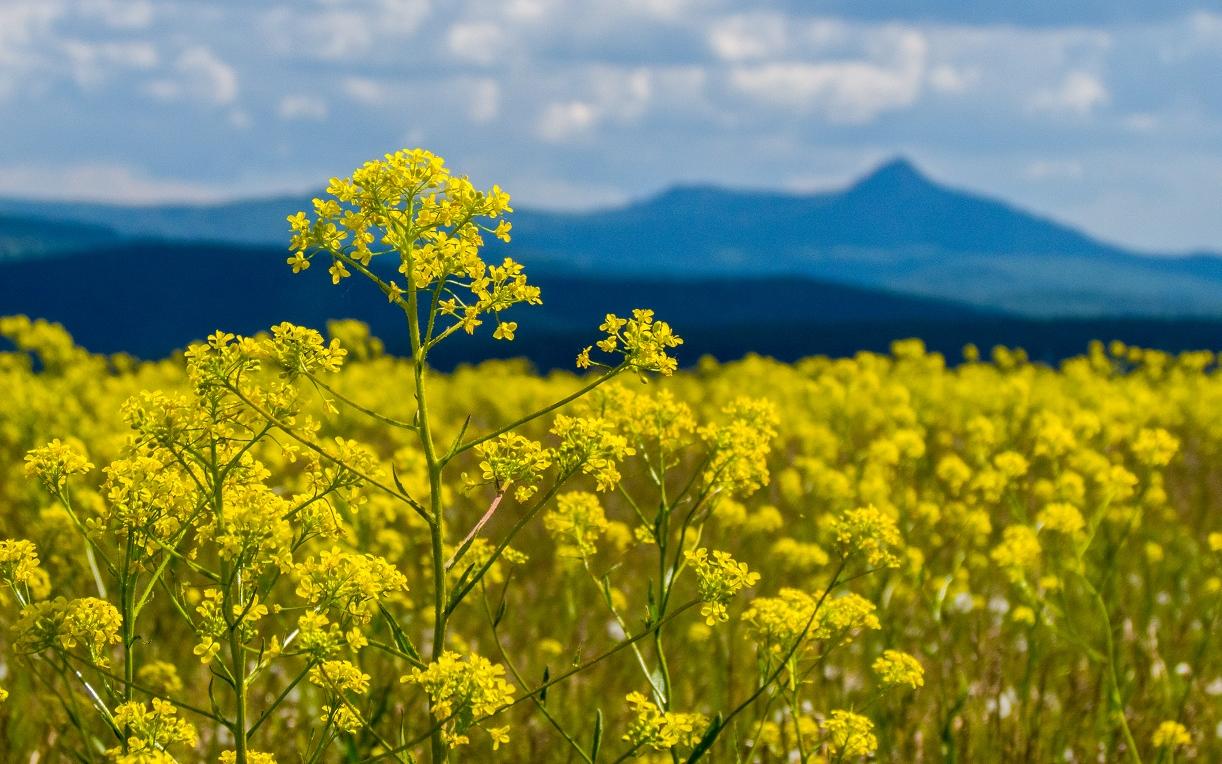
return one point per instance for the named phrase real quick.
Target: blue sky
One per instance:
(1107, 114)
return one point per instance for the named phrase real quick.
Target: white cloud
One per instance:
(1206, 29)
(199, 76)
(603, 95)
(623, 94)
(102, 182)
(658, 9)
(24, 25)
(358, 29)
(119, 14)
(484, 101)
(1142, 122)
(526, 10)
(302, 107)
(563, 122)
(953, 80)
(1054, 169)
(670, 83)
(1078, 93)
(743, 38)
(851, 92)
(91, 63)
(482, 42)
(363, 90)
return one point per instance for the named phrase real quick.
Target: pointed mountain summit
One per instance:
(898, 173)
(897, 205)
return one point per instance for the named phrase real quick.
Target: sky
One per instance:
(1106, 114)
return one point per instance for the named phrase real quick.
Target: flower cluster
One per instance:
(591, 445)
(870, 533)
(463, 690)
(849, 735)
(577, 522)
(1171, 735)
(18, 561)
(341, 680)
(718, 578)
(55, 462)
(739, 449)
(432, 221)
(298, 350)
(151, 729)
(347, 583)
(898, 669)
(659, 730)
(511, 460)
(641, 341)
(64, 624)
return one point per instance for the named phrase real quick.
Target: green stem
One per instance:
(435, 466)
(541, 412)
(1114, 698)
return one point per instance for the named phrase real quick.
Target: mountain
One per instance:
(32, 236)
(895, 229)
(148, 299)
(151, 298)
(246, 221)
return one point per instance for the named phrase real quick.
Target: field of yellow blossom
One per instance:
(295, 547)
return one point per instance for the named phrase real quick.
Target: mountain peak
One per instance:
(898, 172)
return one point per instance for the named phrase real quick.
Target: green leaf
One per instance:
(401, 639)
(596, 740)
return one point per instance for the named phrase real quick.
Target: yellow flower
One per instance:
(18, 561)
(849, 735)
(718, 579)
(577, 522)
(661, 730)
(462, 690)
(56, 461)
(252, 757)
(298, 262)
(1062, 518)
(505, 330)
(869, 532)
(513, 460)
(151, 728)
(1018, 551)
(1172, 734)
(895, 668)
(207, 649)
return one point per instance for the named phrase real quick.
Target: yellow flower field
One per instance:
(294, 547)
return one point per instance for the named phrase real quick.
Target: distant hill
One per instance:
(895, 229)
(31, 236)
(246, 221)
(149, 299)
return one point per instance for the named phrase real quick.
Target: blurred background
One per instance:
(788, 178)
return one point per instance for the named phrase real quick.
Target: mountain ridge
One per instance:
(161, 296)
(894, 229)
(147, 299)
